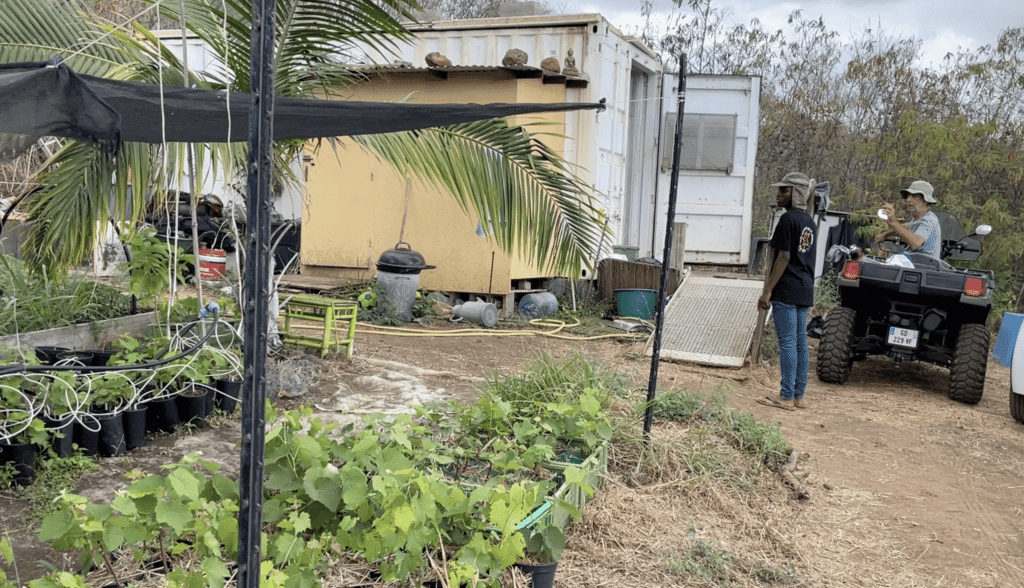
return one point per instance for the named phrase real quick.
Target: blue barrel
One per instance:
(636, 302)
(537, 305)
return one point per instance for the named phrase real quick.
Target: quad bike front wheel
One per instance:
(970, 361)
(835, 350)
(1017, 407)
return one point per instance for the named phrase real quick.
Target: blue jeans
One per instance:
(791, 330)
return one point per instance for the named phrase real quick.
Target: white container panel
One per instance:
(714, 201)
(712, 243)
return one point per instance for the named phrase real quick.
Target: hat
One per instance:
(920, 187)
(801, 187)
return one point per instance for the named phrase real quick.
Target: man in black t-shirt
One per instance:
(789, 286)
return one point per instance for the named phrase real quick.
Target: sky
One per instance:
(942, 26)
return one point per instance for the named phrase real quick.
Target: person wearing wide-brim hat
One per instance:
(922, 234)
(789, 287)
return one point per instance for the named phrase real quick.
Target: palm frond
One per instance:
(37, 30)
(534, 203)
(65, 214)
(310, 34)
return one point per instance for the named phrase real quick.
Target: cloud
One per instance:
(947, 40)
(953, 26)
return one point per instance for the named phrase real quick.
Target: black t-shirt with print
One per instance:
(795, 233)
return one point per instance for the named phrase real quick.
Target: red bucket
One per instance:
(212, 263)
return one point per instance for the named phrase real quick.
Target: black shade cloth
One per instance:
(51, 101)
(42, 99)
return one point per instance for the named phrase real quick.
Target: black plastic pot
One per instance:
(23, 457)
(162, 415)
(111, 442)
(134, 420)
(192, 406)
(48, 353)
(228, 393)
(100, 357)
(87, 435)
(63, 438)
(211, 394)
(541, 575)
(76, 357)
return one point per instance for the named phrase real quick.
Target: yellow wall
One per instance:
(356, 202)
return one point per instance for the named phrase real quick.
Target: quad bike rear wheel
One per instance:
(970, 361)
(835, 351)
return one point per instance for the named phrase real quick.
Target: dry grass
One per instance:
(666, 519)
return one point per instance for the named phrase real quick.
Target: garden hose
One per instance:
(558, 325)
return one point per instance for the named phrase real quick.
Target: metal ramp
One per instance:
(710, 321)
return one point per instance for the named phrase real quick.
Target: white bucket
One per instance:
(481, 313)
(399, 290)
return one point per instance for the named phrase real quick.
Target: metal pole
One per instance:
(256, 292)
(652, 383)
(197, 274)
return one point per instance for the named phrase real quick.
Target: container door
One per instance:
(641, 157)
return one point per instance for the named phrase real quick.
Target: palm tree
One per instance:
(494, 169)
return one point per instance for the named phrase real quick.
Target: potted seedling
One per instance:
(186, 376)
(544, 530)
(222, 369)
(154, 403)
(110, 394)
(128, 351)
(62, 400)
(20, 433)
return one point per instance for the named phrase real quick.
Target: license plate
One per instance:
(902, 337)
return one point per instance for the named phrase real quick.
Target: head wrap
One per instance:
(801, 188)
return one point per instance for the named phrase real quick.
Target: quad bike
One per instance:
(911, 306)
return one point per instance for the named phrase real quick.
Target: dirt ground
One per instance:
(907, 488)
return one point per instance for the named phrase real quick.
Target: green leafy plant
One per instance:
(17, 424)
(212, 363)
(150, 269)
(380, 493)
(8, 554)
(544, 535)
(111, 390)
(60, 391)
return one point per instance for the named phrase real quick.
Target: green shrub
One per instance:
(33, 302)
